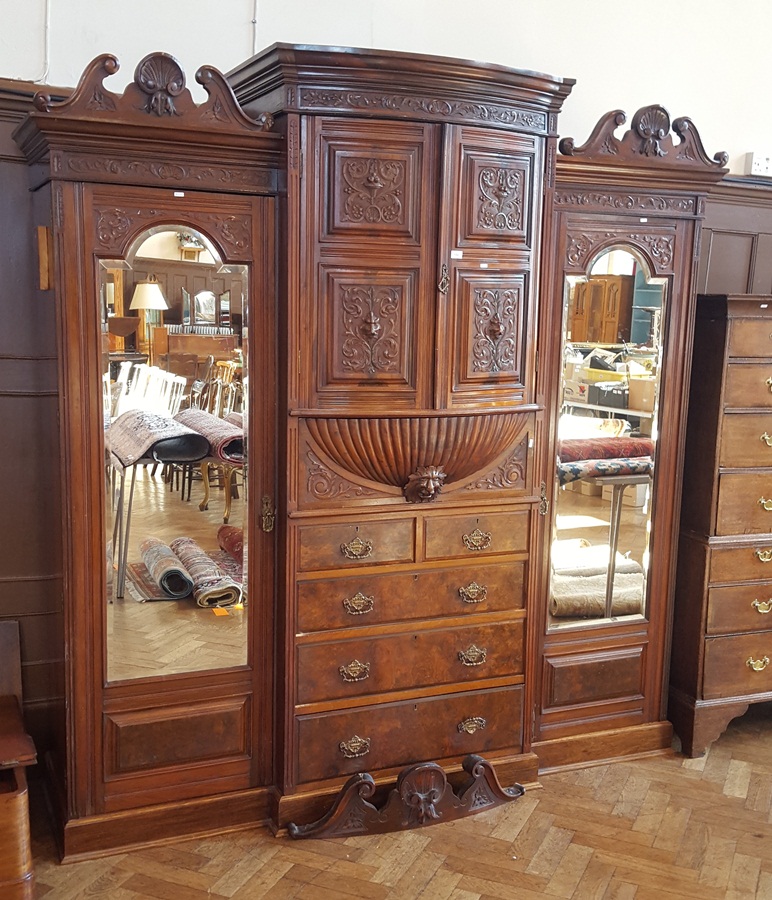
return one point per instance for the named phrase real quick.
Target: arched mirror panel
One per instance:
(174, 386)
(607, 438)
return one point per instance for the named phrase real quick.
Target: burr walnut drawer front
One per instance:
(396, 734)
(750, 337)
(356, 544)
(351, 668)
(744, 503)
(452, 537)
(748, 386)
(746, 440)
(737, 664)
(739, 607)
(362, 600)
(749, 562)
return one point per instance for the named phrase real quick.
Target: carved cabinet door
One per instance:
(490, 223)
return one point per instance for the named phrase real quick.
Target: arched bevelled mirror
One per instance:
(607, 435)
(176, 487)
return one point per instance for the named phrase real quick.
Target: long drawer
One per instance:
(418, 659)
(744, 503)
(468, 536)
(375, 599)
(747, 386)
(741, 607)
(750, 336)
(737, 664)
(398, 734)
(746, 440)
(356, 544)
(751, 562)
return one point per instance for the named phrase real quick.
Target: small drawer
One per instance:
(746, 440)
(362, 600)
(454, 537)
(360, 544)
(744, 503)
(417, 659)
(748, 386)
(741, 607)
(737, 665)
(393, 735)
(752, 562)
(750, 337)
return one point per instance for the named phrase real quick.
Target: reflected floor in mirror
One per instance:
(165, 637)
(582, 535)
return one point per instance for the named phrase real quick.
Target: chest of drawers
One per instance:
(722, 634)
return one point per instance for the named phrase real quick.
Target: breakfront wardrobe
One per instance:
(391, 217)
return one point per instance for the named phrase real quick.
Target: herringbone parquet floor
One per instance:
(662, 827)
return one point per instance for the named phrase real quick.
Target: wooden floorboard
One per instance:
(660, 827)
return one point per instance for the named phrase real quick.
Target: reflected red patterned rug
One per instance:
(143, 589)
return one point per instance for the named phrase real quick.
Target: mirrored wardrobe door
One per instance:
(174, 416)
(607, 436)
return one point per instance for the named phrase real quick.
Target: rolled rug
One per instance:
(231, 540)
(137, 434)
(165, 568)
(210, 586)
(226, 439)
(584, 596)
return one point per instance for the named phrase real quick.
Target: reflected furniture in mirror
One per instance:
(721, 629)
(615, 336)
(165, 726)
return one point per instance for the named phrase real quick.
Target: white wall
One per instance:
(705, 59)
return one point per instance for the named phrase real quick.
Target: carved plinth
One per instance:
(422, 796)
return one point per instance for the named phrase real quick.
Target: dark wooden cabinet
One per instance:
(602, 309)
(722, 638)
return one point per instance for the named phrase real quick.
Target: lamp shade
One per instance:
(148, 295)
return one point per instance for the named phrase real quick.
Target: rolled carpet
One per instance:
(584, 596)
(226, 439)
(137, 434)
(165, 568)
(231, 540)
(210, 586)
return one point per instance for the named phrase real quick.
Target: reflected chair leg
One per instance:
(126, 527)
(204, 504)
(613, 540)
(229, 475)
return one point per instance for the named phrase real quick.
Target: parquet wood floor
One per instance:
(662, 827)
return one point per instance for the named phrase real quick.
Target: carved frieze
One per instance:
(313, 98)
(500, 199)
(372, 191)
(659, 248)
(625, 201)
(495, 323)
(371, 339)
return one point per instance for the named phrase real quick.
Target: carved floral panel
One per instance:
(495, 198)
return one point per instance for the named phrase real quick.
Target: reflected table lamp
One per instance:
(149, 299)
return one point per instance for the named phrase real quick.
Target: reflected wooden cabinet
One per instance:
(724, 587)
(602, 308)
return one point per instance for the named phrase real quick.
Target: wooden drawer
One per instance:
(374, 599)
(746, 440)
(750, 337)
(356, 544)
(417, 659)
(742, 607)
(751, 562)
(453, 537)
(746, 386)
(398, 734)
(739, 508)
(727, 671)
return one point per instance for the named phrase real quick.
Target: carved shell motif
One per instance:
(160, 76)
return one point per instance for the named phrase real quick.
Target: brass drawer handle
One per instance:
(768, 383)
(357, 549)
(473, 655)
(473, 593)
(472, 724)
(359, 604)
(354, 747)
(477, 540)
(766, 438)
(764, 556)
(762, 606)
(758, 665)
(355, 671)
(765, 504)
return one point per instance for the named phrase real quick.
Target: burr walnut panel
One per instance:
(588, 678)
(469, 535)
(410, 661)
(362, 600)
(395, 734)
(357, 544)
